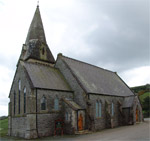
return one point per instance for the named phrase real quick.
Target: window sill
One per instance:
(43, 111)
(56, 111)
(98, 117)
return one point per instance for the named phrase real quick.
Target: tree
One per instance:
(146, 106)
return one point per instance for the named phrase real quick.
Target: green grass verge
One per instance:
(3, 127)
(144, 96)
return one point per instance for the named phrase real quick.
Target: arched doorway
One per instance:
(80, 122)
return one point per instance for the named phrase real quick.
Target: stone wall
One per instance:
(79, 94)
(18, 121)
(137, 105)
(20, 75)
(127, 116)
(19, 125)
(104, 121)
(50, 97)
(46, 118)
(70, 125)
(46, 124)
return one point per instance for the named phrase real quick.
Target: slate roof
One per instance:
(44, 76)
(36, 30)
(72, 104)
(97, 80)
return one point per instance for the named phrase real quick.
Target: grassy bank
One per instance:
(3, 127)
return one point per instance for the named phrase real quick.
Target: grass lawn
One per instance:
(3, 127)
(144, 95)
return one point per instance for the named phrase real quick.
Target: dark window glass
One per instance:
(43, 103)
(19, 96)
(43, 51)
(112, 109)
(96, 109)
(24, 100)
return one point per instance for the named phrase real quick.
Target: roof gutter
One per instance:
(54, 89)
(108, 95)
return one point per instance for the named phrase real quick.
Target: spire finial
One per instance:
(38, 3)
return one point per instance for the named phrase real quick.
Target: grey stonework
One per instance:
(104, 121)
(50, 96)
(70, 124)
(76, 92)
(38, 123)
(79, 94)
(19, 125)
(46, 118)
(18, 122)
(137, 105)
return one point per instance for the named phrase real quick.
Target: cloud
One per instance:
(4, 110)
(112, 34)
(137, 76)
(122, 35)
(5, 83)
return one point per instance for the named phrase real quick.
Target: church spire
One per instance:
(36, 30)
(36, 46)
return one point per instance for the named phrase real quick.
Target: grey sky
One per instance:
(112, 34)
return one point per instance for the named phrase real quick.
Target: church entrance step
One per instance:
(83, 132)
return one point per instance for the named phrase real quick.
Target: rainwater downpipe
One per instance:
(36, 114)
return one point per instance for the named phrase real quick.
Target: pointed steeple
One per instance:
(36, 46)
(36, 30)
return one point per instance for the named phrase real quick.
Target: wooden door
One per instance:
(137, 115)
(80, 122)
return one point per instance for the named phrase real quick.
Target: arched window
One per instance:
(43, 103)
(112, 109)
(56, 104)
(98, 109)
(19, 83)
(14, 103)
(24, 100)
(43, 51)
(67, 116)
(19, 92)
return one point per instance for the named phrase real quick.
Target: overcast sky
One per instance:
(112, 34)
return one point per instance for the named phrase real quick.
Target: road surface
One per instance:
(138, 132)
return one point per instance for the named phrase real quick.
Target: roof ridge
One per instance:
(88, 64)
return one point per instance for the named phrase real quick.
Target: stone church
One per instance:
(65, 96)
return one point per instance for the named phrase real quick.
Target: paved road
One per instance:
(138, 132)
